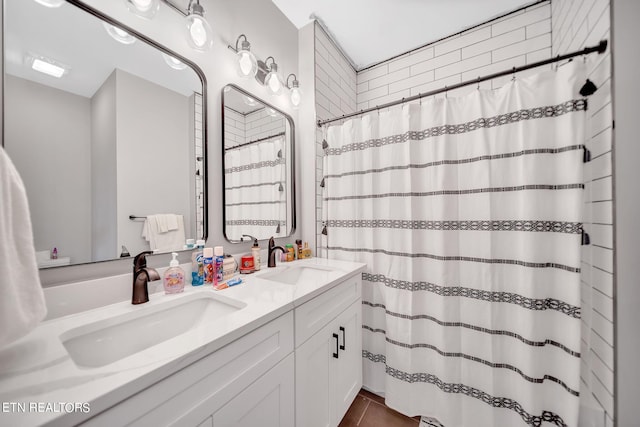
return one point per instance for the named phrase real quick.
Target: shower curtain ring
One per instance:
(513, 78)
(478, 88)
(446, 93)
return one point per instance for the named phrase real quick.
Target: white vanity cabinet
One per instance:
(247, 382)
(328, 354)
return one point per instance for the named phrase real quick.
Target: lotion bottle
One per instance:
(174, 277)
(255, 251)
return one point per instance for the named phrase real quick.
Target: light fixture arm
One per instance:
(273, 63)
(245, 43)
(177, 8)
(294, 83)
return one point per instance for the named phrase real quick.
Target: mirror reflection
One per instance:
(258, 169)
(106, 131)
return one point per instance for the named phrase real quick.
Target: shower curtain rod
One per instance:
(256, 141)
(600, 48)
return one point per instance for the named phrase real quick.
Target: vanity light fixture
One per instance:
(273, 81)
(198, 31)
(143, 8)
(50, 3)
(295, 95)
(118, 34)
(247, 62)
(173, 62)
(47, 66)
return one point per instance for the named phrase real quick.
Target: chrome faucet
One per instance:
(141, 276)
(272, 252)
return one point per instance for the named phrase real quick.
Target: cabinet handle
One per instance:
(344, 339)
(336, 353)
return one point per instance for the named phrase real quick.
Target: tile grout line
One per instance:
(364, 412)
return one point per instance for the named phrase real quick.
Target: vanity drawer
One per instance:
(311, 316)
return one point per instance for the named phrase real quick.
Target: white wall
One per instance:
(104, 191)
(577, 24)
(39, 139)
(626, 63)
(152, 156)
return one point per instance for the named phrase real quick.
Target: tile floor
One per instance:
(369, 410)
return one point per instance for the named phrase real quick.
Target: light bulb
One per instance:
(142, 5)
(50, 3)
(173, 62)
(247, 64)
(198, 32)
(143, 8)
(295, 96)
(119, 34)
(274, 83)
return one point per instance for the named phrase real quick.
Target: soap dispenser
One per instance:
(255, 251)
(174, 277)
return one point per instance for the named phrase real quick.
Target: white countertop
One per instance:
(38, 370)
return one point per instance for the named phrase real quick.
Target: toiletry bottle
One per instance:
(306, 252)
(174, 276)
(255, 251)
(54, 253)
(197, 264)
(218, 260)
(299, 251)
(189, 244)
(209, 265)
(290, 252)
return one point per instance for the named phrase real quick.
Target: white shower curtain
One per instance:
(467, 212)
(255, 197)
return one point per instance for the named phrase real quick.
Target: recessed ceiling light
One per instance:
(48, 67)
(119, 34)
(250, 101)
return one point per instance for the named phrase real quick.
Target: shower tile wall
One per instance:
(234, 128)
(576, 24)
(335, 95)
(517, 39)
(197, 108)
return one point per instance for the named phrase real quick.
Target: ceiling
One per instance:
(371, 31)
(80, 41)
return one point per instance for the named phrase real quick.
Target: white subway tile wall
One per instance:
(335, 95)
(516, 39)
(577, 24)
(197, 107)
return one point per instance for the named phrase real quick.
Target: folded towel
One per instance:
(167, 241)
(22, 304)
(161, 219)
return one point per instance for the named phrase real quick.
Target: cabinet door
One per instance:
(348, 369)
(268, 402)
(314, 379)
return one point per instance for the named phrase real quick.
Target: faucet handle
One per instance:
(140, 260)
(272, 242)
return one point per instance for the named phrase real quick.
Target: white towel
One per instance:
(168, 241)
(22, 304)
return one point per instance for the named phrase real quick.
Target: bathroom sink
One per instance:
(114, 338)
(296, 275)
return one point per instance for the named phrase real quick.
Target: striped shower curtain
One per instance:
(255, 196)
(467, 212)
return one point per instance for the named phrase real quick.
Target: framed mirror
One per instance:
(258, 164)
(106, 128)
